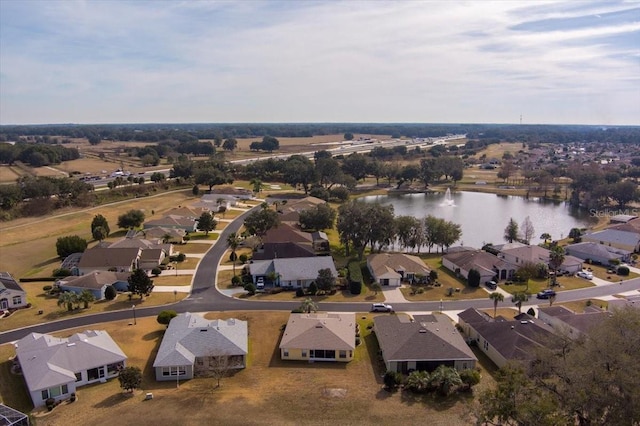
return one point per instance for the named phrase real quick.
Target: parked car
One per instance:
(260, 283)
(491, 285)
(545, 294)
(381, 307)
(585, 274)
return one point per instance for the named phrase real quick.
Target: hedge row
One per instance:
(355, 277)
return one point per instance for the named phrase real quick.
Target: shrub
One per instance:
(313, 288)
(250, 288)
(61, 272)
(299, 292)
(469, 378)
(156, 271)
(392, 379)
(70, 244)
(450, 291)
(110, 292)
(51, 403)
(623, 270)
(473, 279)
(433, 275)
(236, 280)
(614, 262)
(243, 258)
(47, 288)
(355, 287)
(355, 273)
(165, 317)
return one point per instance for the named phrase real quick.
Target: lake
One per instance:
(483, 217)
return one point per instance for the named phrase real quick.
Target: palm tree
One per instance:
(376, 287)
(257, 185)
(67, 298)
(86, 297)
(556, 258)
(233, 241)
(496, 297)
(166, 238)
(308, 305)
(445, 378)
(518, 298)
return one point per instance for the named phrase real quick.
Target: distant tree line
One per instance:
(36, 155)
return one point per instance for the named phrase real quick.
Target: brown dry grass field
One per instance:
(27, 246)
(268, 392)
(165, 280)
(9, 173)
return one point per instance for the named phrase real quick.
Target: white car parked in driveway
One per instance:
(585, 274)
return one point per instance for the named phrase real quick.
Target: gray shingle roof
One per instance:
(190, 335)
(300, 268)
(514, 340)
(320, 331)
(426, 338)
(49, 361)
(382, 263)
(614, 236)
(95, 279)
(8, 282)
(102, 257)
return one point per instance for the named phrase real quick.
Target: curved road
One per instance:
(205, 297)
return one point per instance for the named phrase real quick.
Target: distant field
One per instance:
(9, 174)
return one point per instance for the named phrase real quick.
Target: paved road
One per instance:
(205, 297)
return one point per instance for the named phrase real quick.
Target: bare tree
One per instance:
(217, 365)
(527, 230)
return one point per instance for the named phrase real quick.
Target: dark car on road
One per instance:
(545, 294)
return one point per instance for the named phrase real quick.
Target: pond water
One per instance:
(483, 217)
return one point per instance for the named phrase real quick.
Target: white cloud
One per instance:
(347, 61)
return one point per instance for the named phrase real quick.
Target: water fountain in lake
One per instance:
(448, 199)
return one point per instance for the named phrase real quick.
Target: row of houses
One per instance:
(193, 346)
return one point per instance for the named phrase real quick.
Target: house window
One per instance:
(54, 392)
(343, 354)
(95, 373)
(17, 300)
(486, 345)
(304, 353)
(65, 389)
(45, 394)
(78, 377)
(114, 368)
(285, 353)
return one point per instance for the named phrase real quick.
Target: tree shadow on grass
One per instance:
(113, 400)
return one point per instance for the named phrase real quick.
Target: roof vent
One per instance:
(422, 330)
(512, 327)
(319, 326)
(70, 344)
(524, 322)
(203, 329)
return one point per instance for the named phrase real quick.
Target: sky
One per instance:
(550, 62)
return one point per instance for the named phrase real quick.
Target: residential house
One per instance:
(96, 282)
(224, 196)
(192, 346)
(625, 240)
(630, 301)
(292, 272)
(55, 367)
(422, 343)
(520, 256)
(288, 241)
(173, 221)
(109, 259)
(570, 323)
(488, 265)
(12, 295)
(598, 253)
(153, 253)
(319, 337)
(290, 209)
(390, 269)
(11, 417)
(504, 340)
(160, 234)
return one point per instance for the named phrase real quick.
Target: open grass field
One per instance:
(430, 293)
(172, 280)
(194, 248)
(27, 246)
(9, 174)
(268, 392)
(40, 301)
